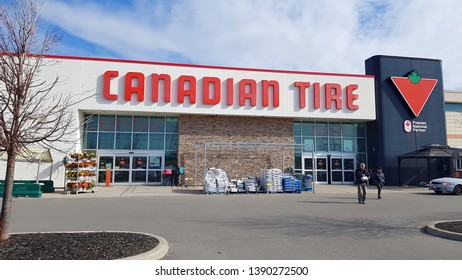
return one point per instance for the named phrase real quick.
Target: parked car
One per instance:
(452, 184)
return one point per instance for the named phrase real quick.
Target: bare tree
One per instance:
(30, 114)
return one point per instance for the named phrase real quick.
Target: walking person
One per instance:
(362, 181)
(379, 179)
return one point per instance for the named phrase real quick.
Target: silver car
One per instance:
(451, 184)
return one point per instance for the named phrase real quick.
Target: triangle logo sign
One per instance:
(415, 90)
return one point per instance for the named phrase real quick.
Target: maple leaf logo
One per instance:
(415, 90)
(414, 77)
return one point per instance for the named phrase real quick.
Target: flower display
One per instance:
(80, 171)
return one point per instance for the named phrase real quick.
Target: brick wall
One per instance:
(237, 161)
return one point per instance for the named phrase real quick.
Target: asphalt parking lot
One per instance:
(329, 224)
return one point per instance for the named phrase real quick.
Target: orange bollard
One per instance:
(108, 177)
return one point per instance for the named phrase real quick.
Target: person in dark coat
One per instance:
(379, 179)
(362, 177)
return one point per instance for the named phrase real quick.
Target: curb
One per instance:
(156, 253)
(431, 229)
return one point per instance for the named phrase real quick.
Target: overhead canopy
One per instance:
(428, 152)
(433, 151)
(33, 155)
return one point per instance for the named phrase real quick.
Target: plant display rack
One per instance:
(80, 172)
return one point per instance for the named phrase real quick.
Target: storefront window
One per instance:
(106, 123)
(171, 141)
(307, 129)
(322, 144)
(297, 142)
(335, 129)
(321, 129)
(124, 124)
(346, 142)
(140, 141)
(335, 144)
(308, 144)
(171, 160)
(172, 125)
(348, 145)
(361, 145)
(124, 141)
(157, 124)
(139, 133)
(155, 162)
(91, 123)
(105, 140)
(297, 129)
(348, 130)
(360, 130)
(90, 140)
(298, 161)
(140, 124)
(156, 141)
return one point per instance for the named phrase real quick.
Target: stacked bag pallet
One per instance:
(216, 181)
(290, 184)
(251, 184)
(271, 180)
(236, 186)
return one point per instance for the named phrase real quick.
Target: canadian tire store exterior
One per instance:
(144, 117)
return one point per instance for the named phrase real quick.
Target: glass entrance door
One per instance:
(321, 169)
(143, 169)
(336, 170)
(330, 168)
(349, 170)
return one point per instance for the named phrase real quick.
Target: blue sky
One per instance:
(308, 35)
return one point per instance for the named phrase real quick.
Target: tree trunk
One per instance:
(8, 195)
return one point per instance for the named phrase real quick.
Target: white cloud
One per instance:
(328, 36)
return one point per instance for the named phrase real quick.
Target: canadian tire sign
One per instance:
(415, 90)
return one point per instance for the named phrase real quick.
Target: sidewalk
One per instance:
(145, 191)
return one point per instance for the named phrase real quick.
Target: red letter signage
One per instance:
(206, 83)
(302, 86)
(155, 87)
(182, 91)
(108, 75)
(351, 97)
(244, 94)
(333, 92)
(130, 88)
(265, 88)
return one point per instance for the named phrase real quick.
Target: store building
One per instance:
(144, 117)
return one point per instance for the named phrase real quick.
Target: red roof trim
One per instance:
(202, 66)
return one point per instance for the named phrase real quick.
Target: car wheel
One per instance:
(458, 190)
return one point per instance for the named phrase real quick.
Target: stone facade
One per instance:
(237, 160)
(454, 118)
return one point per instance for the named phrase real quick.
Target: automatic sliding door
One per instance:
(105, 162)
(132, 168)
(349, 170)
(321, 169)
(336, 167)
(122, 169)
(307, 166)
(139, 168)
